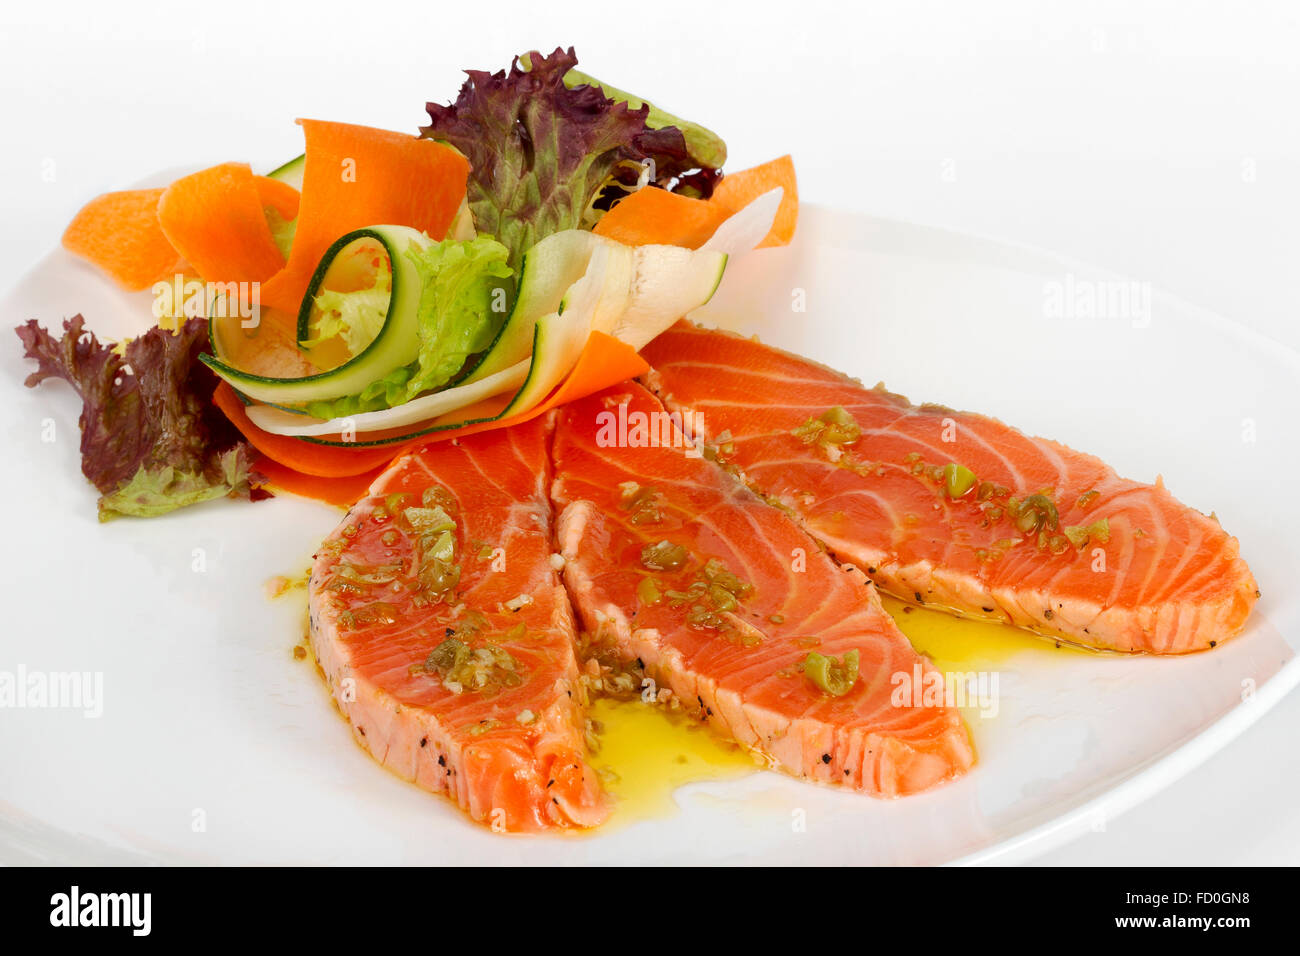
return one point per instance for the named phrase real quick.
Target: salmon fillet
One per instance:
(721, 598)
(446, 638)
(958, 510)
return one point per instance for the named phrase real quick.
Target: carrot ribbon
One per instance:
(656, 217)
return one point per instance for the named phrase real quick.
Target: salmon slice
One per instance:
(1026, 531)
(446, 638)
(716, 595)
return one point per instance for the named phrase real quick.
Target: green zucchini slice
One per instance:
(396, 344)
(291, 172)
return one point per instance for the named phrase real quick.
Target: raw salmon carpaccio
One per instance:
(738, 668)
(510, 753)
(1156, 577)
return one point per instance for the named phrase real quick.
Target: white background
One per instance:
(1159, 140)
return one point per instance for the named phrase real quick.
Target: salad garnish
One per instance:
(151, 442)
(543, 154)
(384, 290)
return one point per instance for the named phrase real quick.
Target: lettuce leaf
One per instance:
(381, 393)
(706, 148)
(461, 310)
(355, 317)
(156, 491)
(541, 153)
(151, 441)
(462, 307)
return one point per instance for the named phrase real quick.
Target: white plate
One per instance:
(216, 746)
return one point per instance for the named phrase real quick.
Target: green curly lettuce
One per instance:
(353, 317)
(463, 304)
